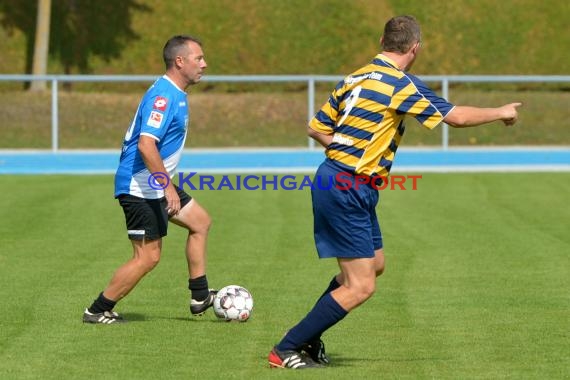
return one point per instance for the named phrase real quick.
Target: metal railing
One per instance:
(310, 80)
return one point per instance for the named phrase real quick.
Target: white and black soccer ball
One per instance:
(233, 303)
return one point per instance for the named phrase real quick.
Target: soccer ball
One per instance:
(233, 303)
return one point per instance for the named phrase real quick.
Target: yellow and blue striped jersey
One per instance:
(365, 114)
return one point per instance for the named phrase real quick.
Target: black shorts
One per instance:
(147, 218)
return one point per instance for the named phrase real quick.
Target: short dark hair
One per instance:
(174, 46)
(400, 34)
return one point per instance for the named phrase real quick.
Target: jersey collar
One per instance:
(174, 84)
(388, 61)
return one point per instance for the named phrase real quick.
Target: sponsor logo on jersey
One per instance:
(375, 76)
(342, 140)
(160, 103)
(182, 104)
(155, 119)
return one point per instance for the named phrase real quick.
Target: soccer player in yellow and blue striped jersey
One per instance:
(365, 115)
(361, 127)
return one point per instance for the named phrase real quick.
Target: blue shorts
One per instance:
(345, 221)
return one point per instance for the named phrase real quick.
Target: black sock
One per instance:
(101, 304)
(199, 288)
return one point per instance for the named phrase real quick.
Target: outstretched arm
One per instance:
(466, 116)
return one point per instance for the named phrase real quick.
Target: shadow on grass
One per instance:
(207, 318)
(346, 361)
(134, 317)
(343, 361)
(352, 361)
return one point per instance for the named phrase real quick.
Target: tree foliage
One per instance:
(80, 29)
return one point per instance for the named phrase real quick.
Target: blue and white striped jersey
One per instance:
(163, 115)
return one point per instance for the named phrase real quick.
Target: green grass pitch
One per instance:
(477, 284)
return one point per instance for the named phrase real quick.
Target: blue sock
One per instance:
(326, 313)
(332, 286)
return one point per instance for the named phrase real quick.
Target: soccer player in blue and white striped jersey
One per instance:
(151, 152)
(361, 126)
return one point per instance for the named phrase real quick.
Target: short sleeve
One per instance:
(156, 115)
(325, 120)
(415, 98)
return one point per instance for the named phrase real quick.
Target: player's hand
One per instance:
(510, 114)
(172, 200)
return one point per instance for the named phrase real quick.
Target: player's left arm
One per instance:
(323, 139)
(321, 127)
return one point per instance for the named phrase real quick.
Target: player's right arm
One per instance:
(467, 116)
(464, 116)
(154, 163)
(156, 113)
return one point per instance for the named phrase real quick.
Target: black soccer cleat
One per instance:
(316, 350)
(106, 317)
(198, 308)
(291, 360)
